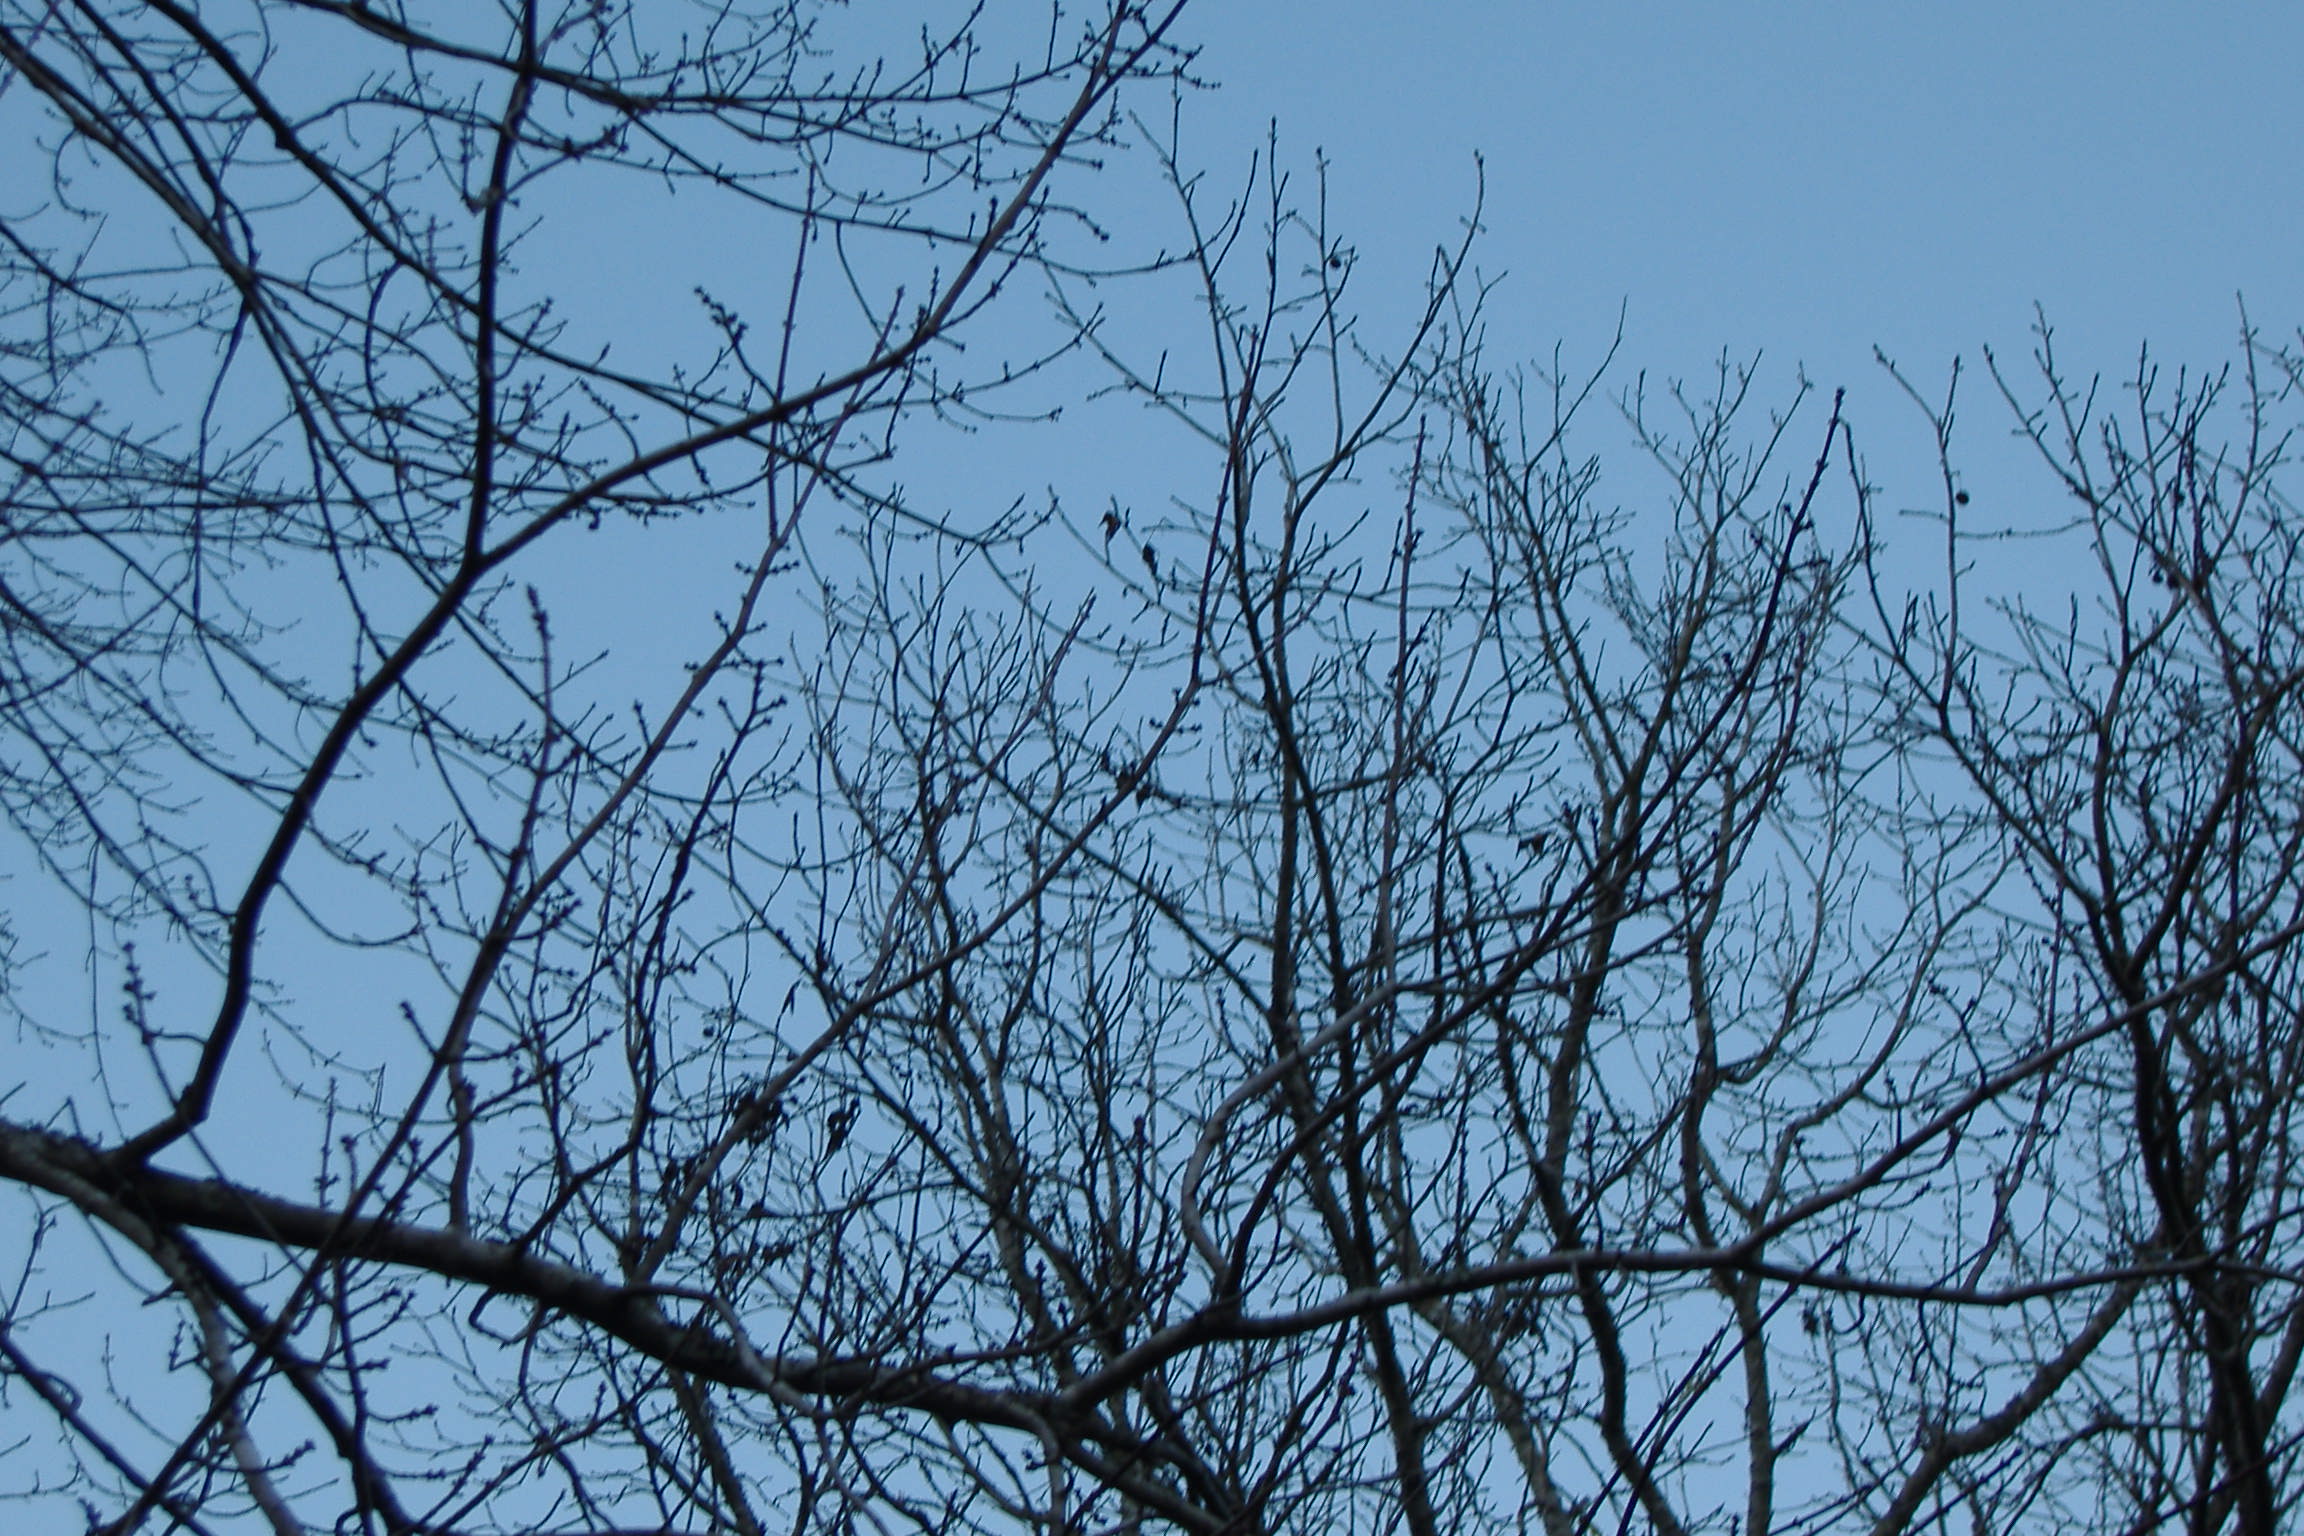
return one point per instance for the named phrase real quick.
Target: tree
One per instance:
(1334, 981)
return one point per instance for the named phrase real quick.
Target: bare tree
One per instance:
(2136, 759)
(587, 957)
(324, 726)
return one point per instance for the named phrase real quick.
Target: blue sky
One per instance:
(1797, 182)
(1808, 179)
(1801, 181)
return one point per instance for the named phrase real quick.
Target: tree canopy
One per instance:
(1044, 869)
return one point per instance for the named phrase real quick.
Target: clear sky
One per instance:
(1802, 180)
(1805, 179)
